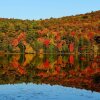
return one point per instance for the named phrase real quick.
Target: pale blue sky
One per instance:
(36, 9)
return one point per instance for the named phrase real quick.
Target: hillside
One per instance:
(80, 33)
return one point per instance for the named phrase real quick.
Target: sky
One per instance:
(42, 9)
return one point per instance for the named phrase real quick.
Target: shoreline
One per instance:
(5, 53)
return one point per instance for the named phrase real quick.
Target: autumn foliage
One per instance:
(65, 35)
(66, 70)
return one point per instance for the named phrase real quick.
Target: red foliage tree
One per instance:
(46, 63)
(71, 59)
(46, 42)
(15, 42)
(71, 47)
(73, 33)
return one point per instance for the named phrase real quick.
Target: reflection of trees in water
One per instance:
(69, 70)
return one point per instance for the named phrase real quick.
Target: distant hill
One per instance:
(71, 34)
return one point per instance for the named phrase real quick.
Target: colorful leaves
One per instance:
(46, 63)
(88, 71)
(21, 36)
(42, 74)
(21, 70)
(41, 39)
(15, 42)
(46, 42)
(60, 60)
(90, 35)
(15, 64)
(73, 33)
(57, 41)
(82, 58)
(72, 73)
(52, 31)
(71, 47)
(58, 68)
(71, 59)
(58, 37)
(42, 32)
(59, 46)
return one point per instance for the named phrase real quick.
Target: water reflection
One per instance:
(80, 71)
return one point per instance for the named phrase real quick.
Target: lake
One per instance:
(49, 77)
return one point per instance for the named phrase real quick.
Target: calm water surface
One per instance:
(49, 77)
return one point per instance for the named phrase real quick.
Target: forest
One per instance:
(70, 34)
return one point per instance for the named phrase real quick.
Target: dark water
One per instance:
(49, 77)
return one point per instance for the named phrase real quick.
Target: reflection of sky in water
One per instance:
(44, 92)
